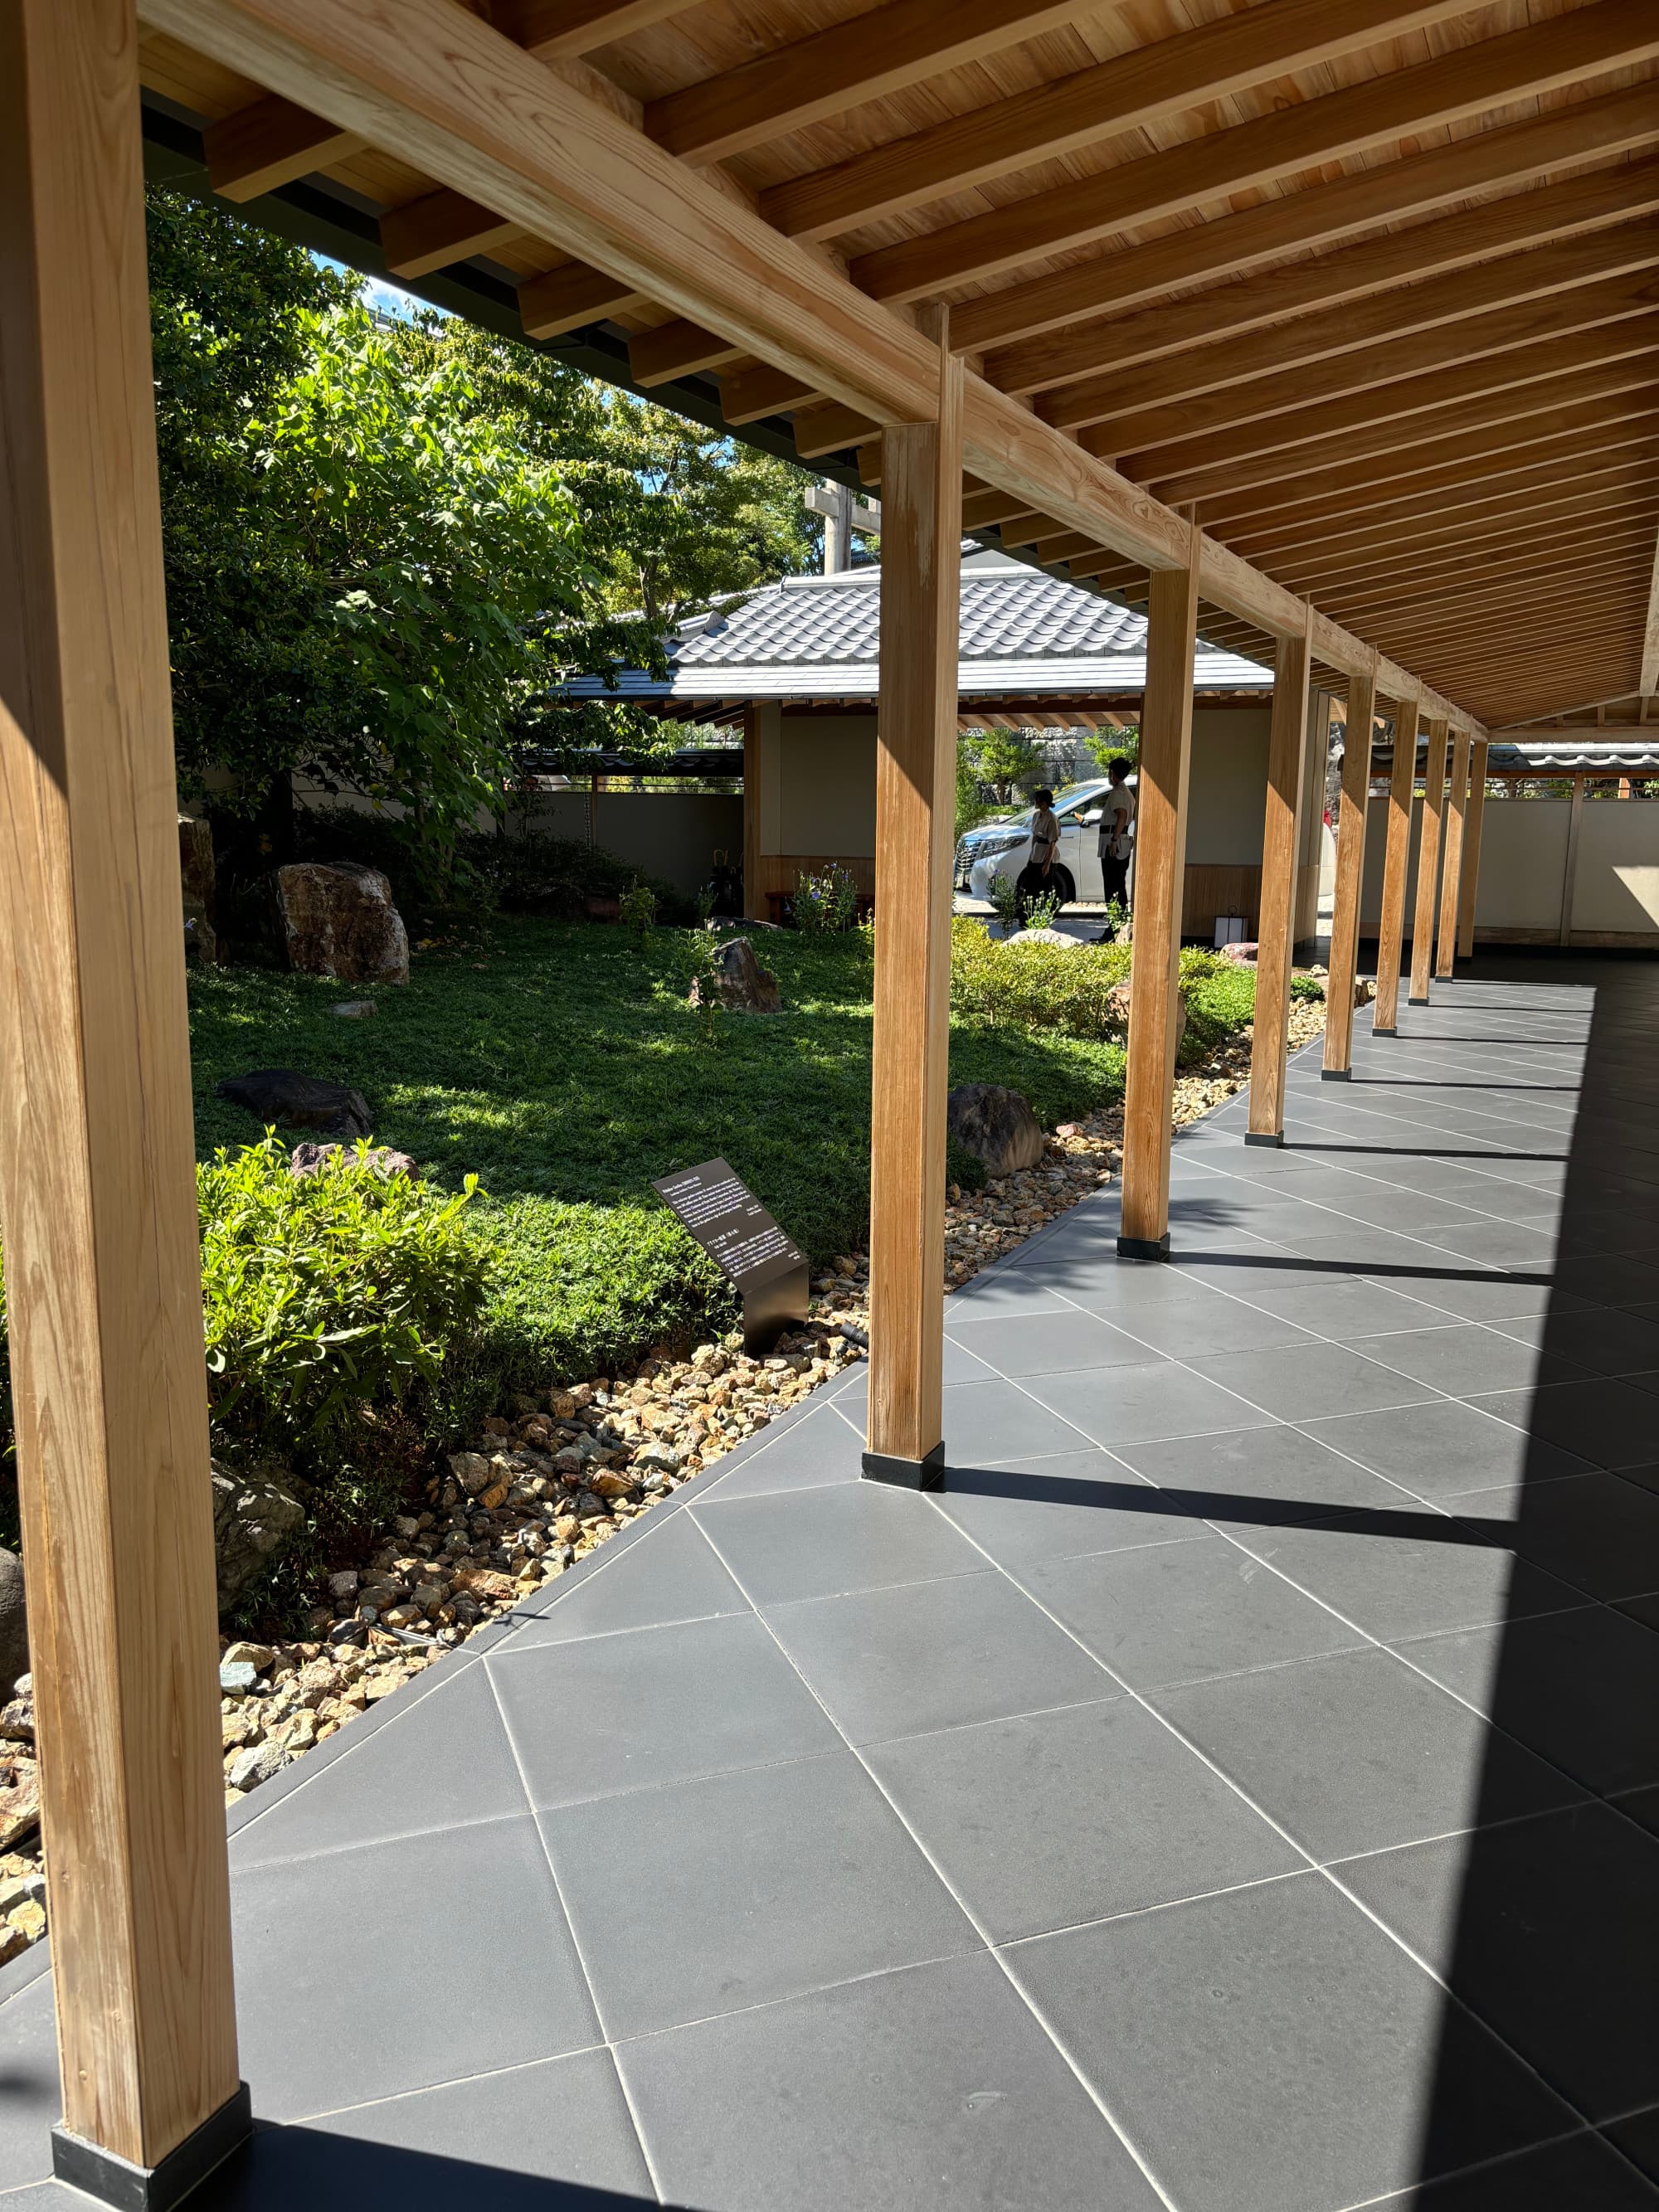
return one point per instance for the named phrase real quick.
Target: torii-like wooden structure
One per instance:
(1329, 323)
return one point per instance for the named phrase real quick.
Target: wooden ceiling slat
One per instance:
(1397, 315)
(1512, 622)
(1125, 92)
(1419, 183)
(1520, 64)
(677, 349)
(1464, 617)
(1433, 551)
(1370, 600)
(556, 30)
(1374, 267)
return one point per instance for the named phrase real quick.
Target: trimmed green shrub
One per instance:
(1308, 987)
(1035, 987)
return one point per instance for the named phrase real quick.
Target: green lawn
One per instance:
(563, 1069)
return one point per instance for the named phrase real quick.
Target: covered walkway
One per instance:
(1236, 1792)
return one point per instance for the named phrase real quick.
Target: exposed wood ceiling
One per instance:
(1372, 285)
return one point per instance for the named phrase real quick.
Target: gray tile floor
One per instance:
(1238, 1791)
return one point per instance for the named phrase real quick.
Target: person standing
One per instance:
(1117, 816)
(1035, 877)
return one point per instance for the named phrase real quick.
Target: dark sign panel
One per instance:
(730, 1222)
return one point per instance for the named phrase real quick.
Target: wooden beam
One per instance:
(750, 391)
(1428, 864)
(677, 349)
(1459, 347)
(829, 428)
(1113, 282)
(570, 297)
(915, 794)
(1374, 265)
(1469, 880)
(1445, 305)
(438, 229)
(1123, 94)
(103, 1267)
(1343, 964)
(1451, 873)
(1287, 753)
(867, 58)
(1396, 860)
(1522, 65)
(255, 149)
(1498, 386)
(1166, 742)
(454, 97)
(561, 30)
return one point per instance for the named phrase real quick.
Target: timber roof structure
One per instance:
(1022, 634)
(1367, 290)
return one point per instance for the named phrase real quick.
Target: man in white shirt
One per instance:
(1117, 816)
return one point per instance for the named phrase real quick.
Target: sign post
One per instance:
(768, 1270)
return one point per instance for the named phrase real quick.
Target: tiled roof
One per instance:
(816, 637)
(1568, 755)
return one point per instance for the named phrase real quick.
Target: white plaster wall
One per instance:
(1616, 883)
(1523, 859)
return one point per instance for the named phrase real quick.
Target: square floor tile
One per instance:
(1047, 1344)
(1130, 1405)
(1610, 1339)
(1054, 1819)
(958, 1366)
(565, 2121)
(1485, 1294)
(1579, 1688)
(1112, 1287)
(1406, 1574)
(34, 2101)
(443, 1761)
(1597, 1532)
(1273, 1475)
(1444, 1448)
(1583, 2172)
(670, 1573)
(1271, 2051)
(1464, 1358)
(1355, 1752)
(1181, 1613)
(626, 1712)
(1546, 1929)
(859, 1536)
(985, 1422)
(933, 1654)
(1351, 1307)
(743, 1888)
(823, 1447)
(1301, 1382)
(933, 2090)
(313, 1935)
(1609, 1423)
(1609, 1282)
(1222, 1324)
(1008, 1290)
(1054, 1509)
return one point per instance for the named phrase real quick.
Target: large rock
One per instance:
(335, 918)
(745, 988)
(254, 1516)
(14, 1624)
(292, 1101)
(1121, 999)
(197, 878)
(307, 1159)
(1046, 937)
(996, 1125)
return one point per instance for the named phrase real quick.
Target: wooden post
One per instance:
(1287, 747)
(1569, 873)
(1428, 865)
(1451, 874)
(1344, 963)
(1166, 744)
(916, 808)
(1469, 883)
(1396, 862)
(753, 897)
(97, 1178)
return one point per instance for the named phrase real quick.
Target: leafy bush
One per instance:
(826, 905)
(636, 910)
(1035, 987)
(1308, 987)
(323, 1294)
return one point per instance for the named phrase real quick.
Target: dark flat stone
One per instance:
(828, 1541)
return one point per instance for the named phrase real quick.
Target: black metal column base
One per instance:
(907, 1474)
(99, 2173)
(1336, 1075)
(1423, 1001)
(1264, 1136)
(1144, 1247)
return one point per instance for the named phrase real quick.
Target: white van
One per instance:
(1002, 847)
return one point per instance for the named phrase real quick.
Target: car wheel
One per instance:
(1064, 889)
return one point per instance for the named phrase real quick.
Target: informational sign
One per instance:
(730, 1222)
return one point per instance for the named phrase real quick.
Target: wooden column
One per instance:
(1451, 873)
(97, 1178)
(1287, 749)
(1428, 865)
(1344, 963)
(753, 898)
(1396, 862)
(915, 815)
(1469, 883)
(1166, 745)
